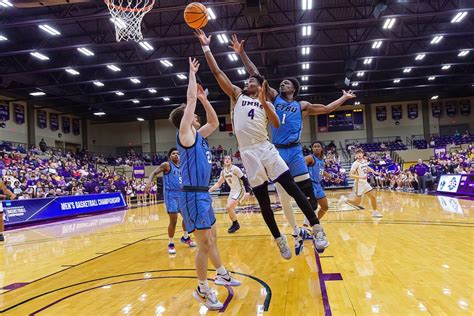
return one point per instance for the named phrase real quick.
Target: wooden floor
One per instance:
(418, 259)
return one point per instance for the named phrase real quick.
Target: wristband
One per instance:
(205, 49)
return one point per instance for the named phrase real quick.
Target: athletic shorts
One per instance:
(318, 190)
(262, 162)
(237, 195)
(172, 201)
(197, 210)
(361, 187)
(293, 157)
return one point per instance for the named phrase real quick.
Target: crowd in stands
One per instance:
(444, 141)
(396, 144)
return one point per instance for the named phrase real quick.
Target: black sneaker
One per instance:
(2, 238)
(235, 227)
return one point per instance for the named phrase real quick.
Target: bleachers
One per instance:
(441, 141)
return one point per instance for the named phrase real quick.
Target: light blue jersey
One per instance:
(316, 172)
(196, 162)
(291, 122)
(172, 179)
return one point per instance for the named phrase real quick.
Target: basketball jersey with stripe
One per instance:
(317, 169)
(232, 177)
(360, 168)
(291, 122)
(195, 162)
(250, 121)
(172, 179)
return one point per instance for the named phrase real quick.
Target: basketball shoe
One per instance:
(171, 249)
(188, 241)
(282, 244)
(235, 227)
(208, 298)
(226, 280)
(299, 240)
(321, 242)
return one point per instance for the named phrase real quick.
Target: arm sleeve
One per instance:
(246, 183)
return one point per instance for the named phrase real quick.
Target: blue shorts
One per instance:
(197, 210)
(293, 156)
(318, 190)
(172, 201)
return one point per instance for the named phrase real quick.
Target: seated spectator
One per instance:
(42, 145)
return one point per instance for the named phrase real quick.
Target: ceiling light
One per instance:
(120, 93)
(99, 113)
(151, 90)
(118, 23)
(355, 84)
(140, 119)
(446, 67)
(210, 14)
(304, 88)
(430, 78)
(435, 97)
(72, 71)
(222, 38)
(113, 68)
(458, 17)
(357, 103)
(377, 44)
(166, 99)
(437, 39)
(305, 66)
(305, 50)
(135, 101)
(49, 29)
(367, 61)
(85, 51)
(407, 70)
(233, 57)
(241, 71)
(463, 53)
(146, 46)
(3, 38)
(304, 78)
(39, 56)
(389, 23)
(37, 93)
(396, 81)
(166, 63)
(306, 30)
(306, 4)
(420, 56)
(181, 76)
(360, 74)
(98, 83)
(135, 80)
(6, 3)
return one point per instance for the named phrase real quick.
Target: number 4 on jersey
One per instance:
(251, 113)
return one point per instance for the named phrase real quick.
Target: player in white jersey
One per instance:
(359, 171)
(238, 184)
(4, 193)
(250, 116)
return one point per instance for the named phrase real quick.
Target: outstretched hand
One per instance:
(200, 93)
(348, 94)
(262, 91)
(237, 46)
(193, 65)
(203, 39)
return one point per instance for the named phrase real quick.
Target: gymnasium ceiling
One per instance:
(341, 31)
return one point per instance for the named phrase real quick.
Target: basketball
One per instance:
(195, 15)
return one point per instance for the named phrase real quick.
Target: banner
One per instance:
(53, 121)
(76, 126)
(42, 120)
(66, 124)
(451, 107)
(4, 111)
(19, 116)
(397, 112)
(462, 184)
(27, 211)
(381, 113)
(412, 111)
(440, 152)
(436, 109)
(465, 106)
(139, 172)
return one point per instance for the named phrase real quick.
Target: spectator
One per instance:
(42, 145)
(421, 169)
(457, 134)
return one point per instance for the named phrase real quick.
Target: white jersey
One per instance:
(232, 177)
(360, 167)
(250, 121)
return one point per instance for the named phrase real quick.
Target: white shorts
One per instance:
(362, 187)
(262, 162)
(236, 195)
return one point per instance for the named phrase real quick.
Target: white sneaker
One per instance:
(282, 244)
(171, 249)
(226, 280)
(377, 214)
(342, 200)
(208, 298)
(321, 242)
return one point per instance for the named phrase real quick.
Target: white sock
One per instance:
(170, 240)
(185, 235)
(203, 286)
(221, 270)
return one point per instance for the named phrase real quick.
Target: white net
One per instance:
(127, 16)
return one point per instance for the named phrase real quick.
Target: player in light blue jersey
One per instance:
(171, 194)
(196, 162)
(287, 136)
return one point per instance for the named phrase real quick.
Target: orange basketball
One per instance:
(195, 15)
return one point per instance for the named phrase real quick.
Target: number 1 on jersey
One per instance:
(251, 113)
(283, 119)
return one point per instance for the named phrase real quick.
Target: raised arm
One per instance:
(211, 116)
(267, 106)
(238, 47)
(316, 109)
(164, 167)
(224, 83)
(187, 133)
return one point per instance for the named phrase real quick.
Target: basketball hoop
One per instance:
(127, 16)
